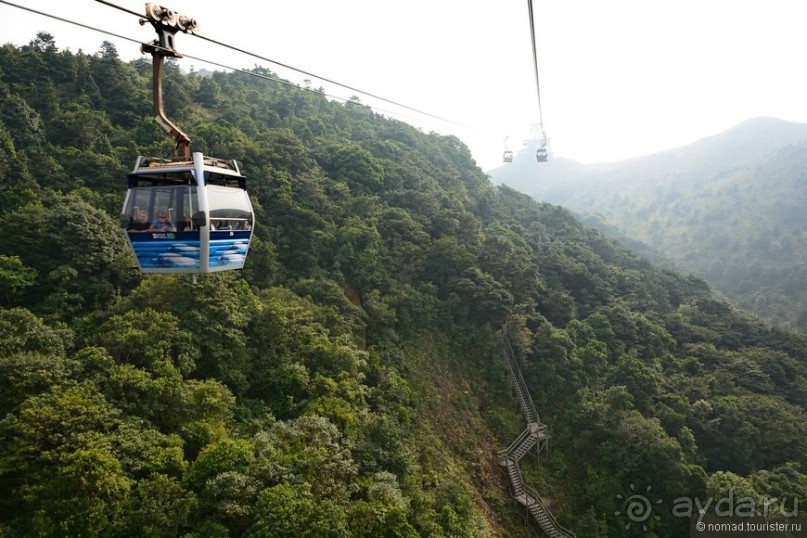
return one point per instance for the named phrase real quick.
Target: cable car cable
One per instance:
(189, 56)
(535, 64)
(56, 17)
(218, 64)
(110, 4)
(351, 88)
(125, 38)
(540, 153)
(298, 70)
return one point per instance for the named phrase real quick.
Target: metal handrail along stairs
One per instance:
(519, 385)
(535, 434)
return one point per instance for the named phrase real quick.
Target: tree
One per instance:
(405, 240)
(308, 449)
(24, 374)
(80, 127)
(147, 338)
(488, 300)
(356, 166)
(208, 92)
(216, 311)
(508, 258)
(159, 506)
(640, 380)
(17, 186)
(206, 413)
(748, 432)
(123, 93)
(229, 498)
(15, 277)
(57, 451)
(225, 455)
(76, 249)
(383, 514)
(291, 510)
(23, 122)
(21, 330)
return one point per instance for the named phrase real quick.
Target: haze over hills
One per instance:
(729, 208)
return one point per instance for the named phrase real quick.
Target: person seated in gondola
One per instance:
(140, 223)
(162, 224)
(187, 225)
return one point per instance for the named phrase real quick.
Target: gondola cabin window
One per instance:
(229, 208)
(146, 205)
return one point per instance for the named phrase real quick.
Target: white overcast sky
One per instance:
(619, 78)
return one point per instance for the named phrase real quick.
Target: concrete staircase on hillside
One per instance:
(534, 436)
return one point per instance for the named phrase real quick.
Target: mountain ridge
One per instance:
(744, 142)
(678, 202)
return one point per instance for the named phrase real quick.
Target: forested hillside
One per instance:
(348, 381)
(729, 208)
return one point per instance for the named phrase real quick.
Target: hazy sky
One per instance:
(619, 78)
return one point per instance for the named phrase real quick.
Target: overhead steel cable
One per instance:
(298, 70)
(224, 66)
(535, 64)
(284, 82)
(110, 4)
(324, 79)
(133, 40)
(61, 19)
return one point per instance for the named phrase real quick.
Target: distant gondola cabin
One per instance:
(187, 216)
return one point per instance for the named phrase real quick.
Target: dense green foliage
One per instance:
(729, 209)
(347, 382)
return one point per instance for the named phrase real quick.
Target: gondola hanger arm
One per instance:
(167, 23)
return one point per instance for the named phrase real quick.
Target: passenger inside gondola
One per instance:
(162, 224)
(140, 223)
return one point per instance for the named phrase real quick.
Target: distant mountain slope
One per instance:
(729, 208)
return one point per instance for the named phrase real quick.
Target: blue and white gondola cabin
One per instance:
(187, 216)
